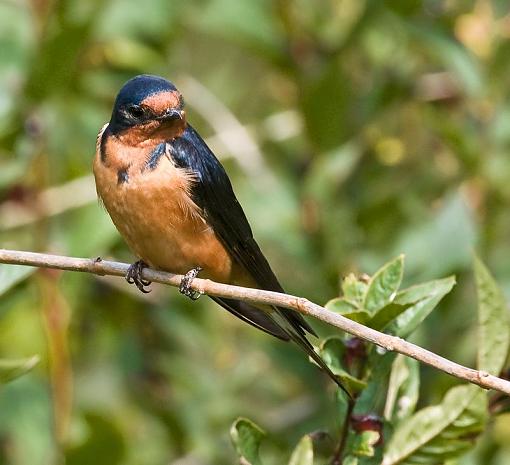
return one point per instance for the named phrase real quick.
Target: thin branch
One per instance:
(299, 304)
(339, 453)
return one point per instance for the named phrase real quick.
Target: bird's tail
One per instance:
(297, 335)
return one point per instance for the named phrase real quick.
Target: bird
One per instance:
(173, 203)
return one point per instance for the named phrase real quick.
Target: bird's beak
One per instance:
(172, 115)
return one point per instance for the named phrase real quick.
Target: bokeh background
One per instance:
(352, 130)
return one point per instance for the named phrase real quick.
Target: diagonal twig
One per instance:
(299, 304)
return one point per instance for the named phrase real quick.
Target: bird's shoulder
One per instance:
(214, 195)
(212, 190)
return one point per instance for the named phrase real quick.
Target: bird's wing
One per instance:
(214, 195)
(253, 316)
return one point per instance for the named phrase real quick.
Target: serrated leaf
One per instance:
(303, 453)
(440, 432)
(246, 437)
(10, 275)
(346, 308)
(12, 369)
(403, 389)
(493, 321)
(412, 317)
(383, 286)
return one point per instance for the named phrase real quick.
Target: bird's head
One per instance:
(148, 108)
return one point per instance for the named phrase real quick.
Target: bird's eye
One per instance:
(135, 111)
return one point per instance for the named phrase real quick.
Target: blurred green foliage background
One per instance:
(352, 130)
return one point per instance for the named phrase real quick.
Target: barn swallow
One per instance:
(173, 203)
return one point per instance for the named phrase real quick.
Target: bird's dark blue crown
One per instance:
(137, 89)
(134, 92)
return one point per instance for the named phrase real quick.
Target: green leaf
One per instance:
(383, 286)
(421, 291)
(403, 300)
(350, 460)
(493, 322)
(12, 369)
(354, 289)
(363, 443)
(341, 305)
(303, 453)
(332, 351)
(373, 396)
(246, 437)
(351, 383)
(411, 318)
(10, 275)
(403, 389)
(386, 315)
(440, 432)
(346, 308)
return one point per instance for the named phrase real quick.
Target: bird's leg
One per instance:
(186, 281)
(134, 276)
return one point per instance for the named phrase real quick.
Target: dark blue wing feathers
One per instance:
(213, 193)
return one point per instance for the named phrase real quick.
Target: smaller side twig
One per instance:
(339, 453)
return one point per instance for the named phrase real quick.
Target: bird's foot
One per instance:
(186, 281)
(134, 276)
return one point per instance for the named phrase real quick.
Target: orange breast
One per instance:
(157, 218)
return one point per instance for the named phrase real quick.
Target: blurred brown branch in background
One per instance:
(102, 267)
